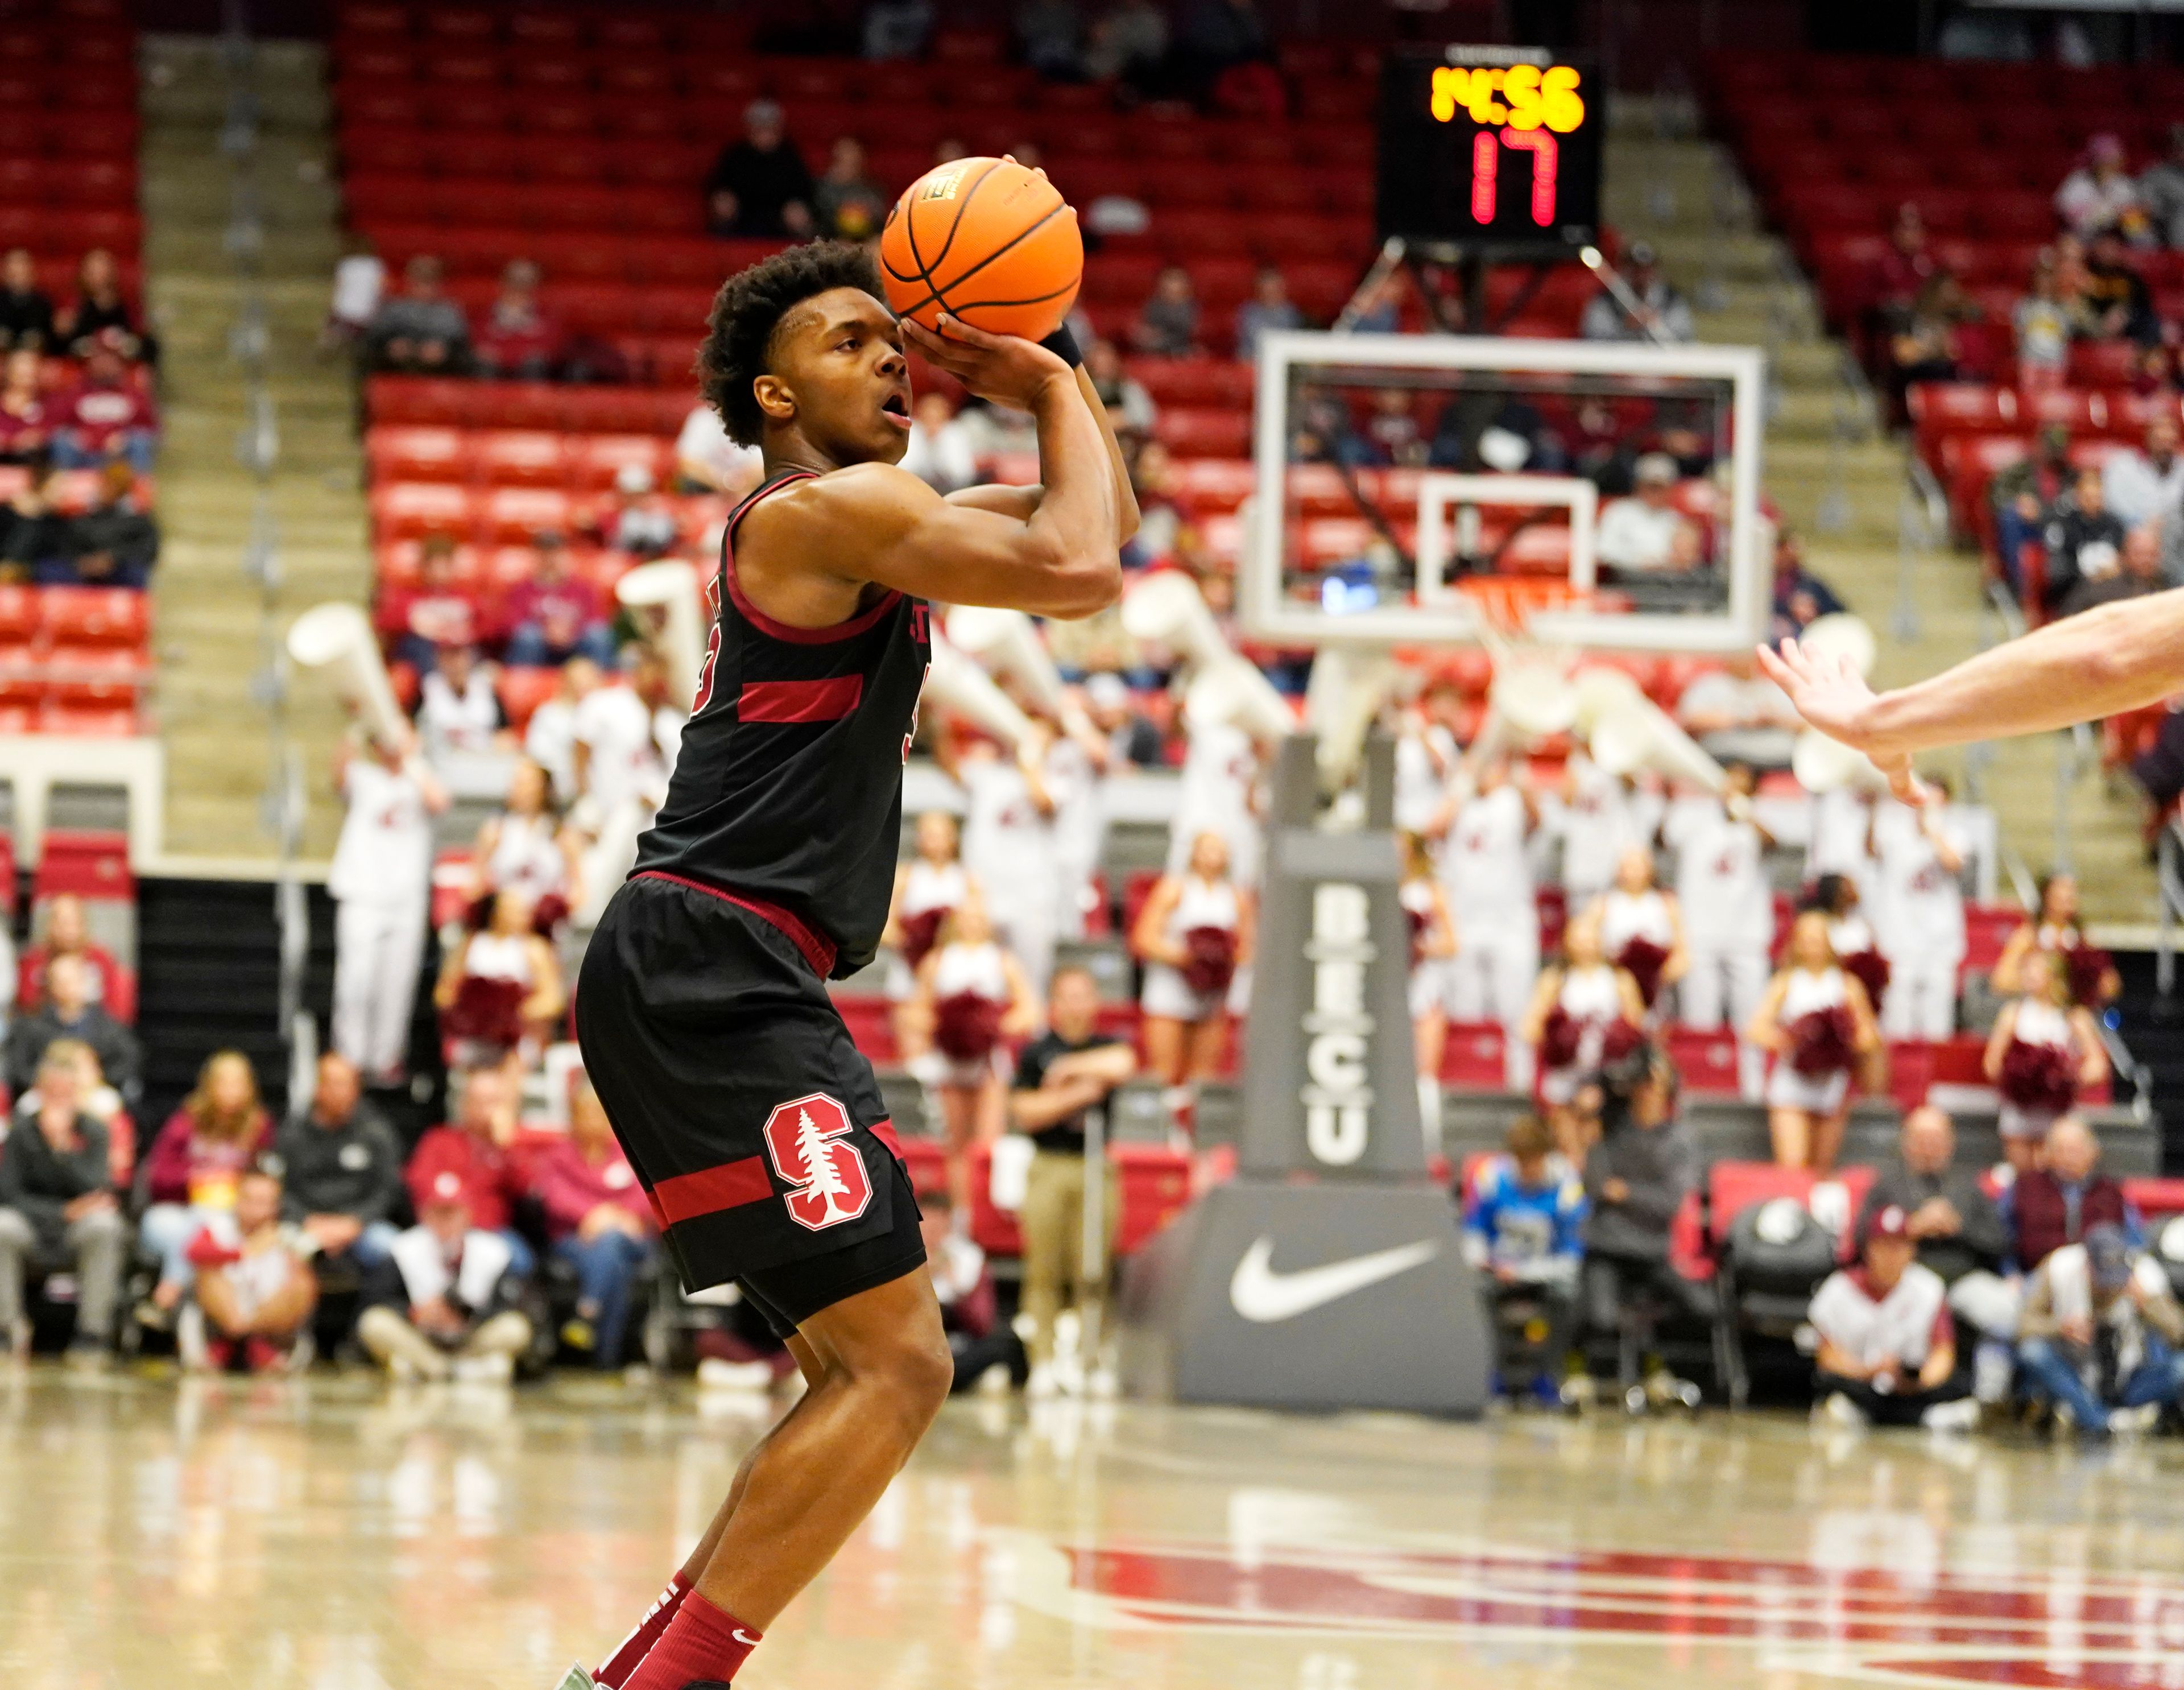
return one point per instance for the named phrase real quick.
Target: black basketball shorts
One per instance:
(753, 1121)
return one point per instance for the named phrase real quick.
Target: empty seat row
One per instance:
(73, 616)
(48, 229)
(82, 677)
(89, 722)
(1762, 78)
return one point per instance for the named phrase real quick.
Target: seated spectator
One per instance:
(60, 1212)
(115, 543)
(1213, 37)
(526, 848)
(1391, 433)
(67, 933)
(459, 710)
(1325, 432)
(1959, 1233)
(500, 988)
(443, 1303)
(2041, 325)
(1906, 264)
(2084, 539)
(341, 1169)
(2138, 573)
(360, 281)
(1737, 714)
(2142, 485)
(26, 311)
(68, 1012)
(252, 1305)
(759, 185)
(2116, 295)
(942, 453)
(475, 1147)
(555, 614)
(1801, 598)
(34, 529)
(1521, 1227)
(897, 29)
(96, 1099)
(1168, 323)
(979, 1339)
(1887, 1346)
(1050, 38)
(1130, 408)
(190, 1176)
(707, 461)
(420, 329)
(1129, 43)
(1923, 342)
(2054, 1203)
(1133, 739)
(2043, 1052)
(1636, 1176)
(26, 418)
(641, 522)
(1269, 307)
(1062, 1077)
(517, 341)
(601, 1225)
(1664, 314)
(847, 202)
(98, 318)
(438, 610)
(2101, 1335)
(2023, 497)
(2161, 191)
(105, 414)
(1640, 532)
(2099, 193)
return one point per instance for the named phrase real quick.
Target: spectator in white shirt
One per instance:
(2141, 486)
(1738, 715)
(1661, 307)
(360, 279)
(1888, 1347)
(381, 886)
(1642, 533)
(941, 452)
(2100, 194)
(550, 738)
(707, 461)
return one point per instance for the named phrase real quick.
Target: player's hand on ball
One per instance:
(998, 368)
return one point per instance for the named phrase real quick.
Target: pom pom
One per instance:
(2039, 1077)
(1869, 968)
(967, 1026)
(2085, 966)
(487, 1010)
(1644, 959)
(1823, 1042)
(918, 934)
(1211, 959)
(1559, 1038)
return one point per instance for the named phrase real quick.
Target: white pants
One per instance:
(1724, 984)
(1921, 1002)
(1491, 978)
(377, 949)
(1026, 919)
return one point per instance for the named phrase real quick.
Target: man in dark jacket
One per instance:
(761, 184)
(69, 1013)
(115, 543)
(1635, 1179)
(2060, 1199)
(341, 1167)
(57, 1209)
(2085, 539)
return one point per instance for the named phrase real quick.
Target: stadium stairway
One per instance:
(1840, 480)
(209, 612)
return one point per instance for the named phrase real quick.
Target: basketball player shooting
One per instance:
(2119, 657)
(757, 1129)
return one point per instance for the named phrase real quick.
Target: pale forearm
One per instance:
(2119, 657)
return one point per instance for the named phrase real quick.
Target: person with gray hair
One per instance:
(759, 185)
(2102, 1336)
(59, 1209)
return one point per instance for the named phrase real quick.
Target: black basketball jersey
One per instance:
(787, 790)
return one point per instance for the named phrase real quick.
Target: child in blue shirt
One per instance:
(1521, 1229)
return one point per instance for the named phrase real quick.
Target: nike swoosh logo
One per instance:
(745, 1638)
(1260, 1294)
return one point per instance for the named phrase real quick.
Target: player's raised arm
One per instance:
(2122, 656)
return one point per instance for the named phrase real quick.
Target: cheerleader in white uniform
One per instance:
(1815, 1020)
(1193, 935)
(1728, 913)
(973, 996)
(926, 888)
(1919, 912)
(1571, 1025)
(1597, 827)
(500, 993)
(1488, 877)
(1011, 848)
(2044, 1050)
(525, 848)
(1850, 935)
(1433, 943)
(1641, 929)
(2058, 931)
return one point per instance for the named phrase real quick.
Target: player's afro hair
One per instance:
(750, 308)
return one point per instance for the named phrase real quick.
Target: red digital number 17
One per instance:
(1486, 165)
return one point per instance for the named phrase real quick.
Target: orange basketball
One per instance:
(989, 242)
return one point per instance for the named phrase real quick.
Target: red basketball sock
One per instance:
(702, 1644)
(638, 1644)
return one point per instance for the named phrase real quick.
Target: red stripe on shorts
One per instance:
(710, 1189)
(828, 700)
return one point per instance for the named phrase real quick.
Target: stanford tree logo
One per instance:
(806, 1140)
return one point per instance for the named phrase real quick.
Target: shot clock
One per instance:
(1495, 150)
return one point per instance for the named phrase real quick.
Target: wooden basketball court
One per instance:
(328, 1534)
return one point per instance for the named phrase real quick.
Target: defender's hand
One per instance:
(999, 368)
